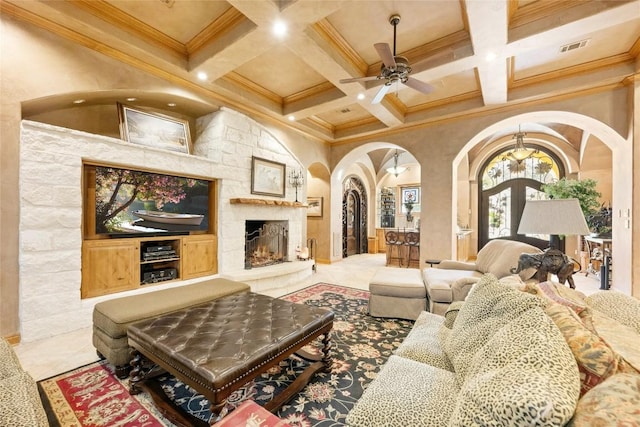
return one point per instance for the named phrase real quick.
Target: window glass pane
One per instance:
(540, 167)
(500, 214)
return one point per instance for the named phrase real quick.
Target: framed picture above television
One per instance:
(152, 129)
(126, 202)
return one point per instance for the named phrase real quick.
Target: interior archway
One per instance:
(621, 154)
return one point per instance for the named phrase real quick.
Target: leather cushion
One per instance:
(217, 343)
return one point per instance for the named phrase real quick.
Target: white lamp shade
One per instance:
(554, 216)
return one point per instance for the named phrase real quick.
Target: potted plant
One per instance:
(585, 191)
(409, 207)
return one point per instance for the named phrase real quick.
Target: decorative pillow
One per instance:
(618, 306)
(488, 307)
(558, 293)
(615, 402)
(596, 360)
(524, 375)
(451, 313)
(621, 338)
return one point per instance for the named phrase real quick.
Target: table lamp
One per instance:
(553, 217)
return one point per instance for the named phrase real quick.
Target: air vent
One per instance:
(574, 46)
(345, 110)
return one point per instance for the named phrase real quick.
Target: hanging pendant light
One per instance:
(520, 153)
(396, 170)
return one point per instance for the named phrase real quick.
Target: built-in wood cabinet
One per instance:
(109, 266)
(199, 255)
(116, 265)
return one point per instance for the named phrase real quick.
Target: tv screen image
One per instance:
(136, 202)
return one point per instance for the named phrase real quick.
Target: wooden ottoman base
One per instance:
(219, 346)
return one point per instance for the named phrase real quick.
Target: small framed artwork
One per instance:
(315, 207)
(267, 177)
(153, 129)
(411, 195)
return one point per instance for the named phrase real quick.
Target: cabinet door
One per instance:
(199, 255)
(109, 266)
(382, 242)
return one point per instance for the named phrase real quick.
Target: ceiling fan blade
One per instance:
(384, 51)
(381, 93)
(419, 85)
(359, 79)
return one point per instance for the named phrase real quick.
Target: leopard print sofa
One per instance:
(503, 362)
(20, 404)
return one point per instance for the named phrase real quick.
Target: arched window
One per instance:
(506, 185)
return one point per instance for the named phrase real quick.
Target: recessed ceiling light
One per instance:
(171, 104)
(78, 101)
(490, 56)
(361, 96)
(202, 75)
(291, 118)
(279, 28)
(132, 99)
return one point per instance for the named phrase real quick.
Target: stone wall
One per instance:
(51, 161)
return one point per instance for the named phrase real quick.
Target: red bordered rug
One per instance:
(92, 396)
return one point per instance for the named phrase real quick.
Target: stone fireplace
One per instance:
(265, 243)
(51, 212)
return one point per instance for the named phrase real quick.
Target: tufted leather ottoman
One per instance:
(219, 346)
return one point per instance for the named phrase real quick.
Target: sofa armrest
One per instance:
(461, 287)
(450, 264)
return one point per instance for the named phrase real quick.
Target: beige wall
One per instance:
(319, 228)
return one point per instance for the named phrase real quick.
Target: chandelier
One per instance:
(396, 170)
(520, 153)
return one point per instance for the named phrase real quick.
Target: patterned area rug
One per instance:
(93, 396)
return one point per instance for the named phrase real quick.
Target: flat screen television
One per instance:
(131, 203)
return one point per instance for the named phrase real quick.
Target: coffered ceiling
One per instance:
(477, 55)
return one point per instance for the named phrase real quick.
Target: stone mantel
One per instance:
(267, 202)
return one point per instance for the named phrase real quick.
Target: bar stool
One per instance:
(412, 243)
(393, 242)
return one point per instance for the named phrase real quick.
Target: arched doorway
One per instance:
(505, 185)
(354, 218)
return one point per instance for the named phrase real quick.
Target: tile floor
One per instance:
(51, 356)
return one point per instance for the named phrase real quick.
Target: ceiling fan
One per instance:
(394, 69)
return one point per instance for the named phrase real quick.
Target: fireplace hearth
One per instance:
(265, 243)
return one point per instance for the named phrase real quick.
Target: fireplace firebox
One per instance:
(265, 243)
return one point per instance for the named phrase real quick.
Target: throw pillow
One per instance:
(451, 313)
(525, 375)
(596, 360)
(615, 402)
(488, 307)
(558, 293)
(618, 306)
(621, 338)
